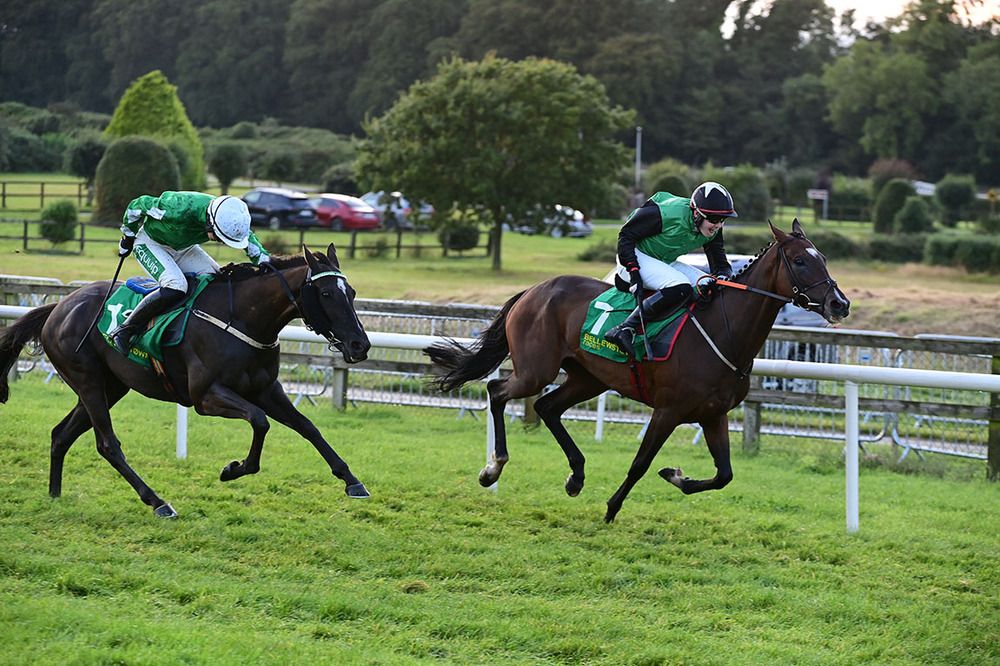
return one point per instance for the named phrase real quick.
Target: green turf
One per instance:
(282, 568)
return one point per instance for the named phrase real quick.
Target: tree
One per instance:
(514, 136)
(150, 107)
(132, 166)
(227, 161)
(974, 89)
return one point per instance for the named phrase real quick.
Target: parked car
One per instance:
(279, 207)
(342, 212)
(395, 210)
(559, 222)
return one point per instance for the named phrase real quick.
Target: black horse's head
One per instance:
(811, 285)
(328, 306)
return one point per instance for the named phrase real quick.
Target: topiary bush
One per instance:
(604, 251)
(227, 162)
(131, 166)
(904, 248)
(340, 179)
(890, 201)
(672, 183)
(656, 171)
(459, 236)
(836, 246)
(883, 170)
(975, 253)
(956, 194)
(746, 183)
(851, 198)
(58, 222)
(914, 217)
(797, 183)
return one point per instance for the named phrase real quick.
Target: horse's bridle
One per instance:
(800, 296)
(309, 309)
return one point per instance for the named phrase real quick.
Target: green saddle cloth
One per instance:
(610, 309)
(149, 345)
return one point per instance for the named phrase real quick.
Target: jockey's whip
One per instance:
(100, 310)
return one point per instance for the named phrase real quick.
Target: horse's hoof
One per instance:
(487, 477)
(573, 487)
(609, 517)
(357, 490)
(229, 471)
(165, 511)
(674, 476)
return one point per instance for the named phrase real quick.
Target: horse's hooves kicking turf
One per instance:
(357, 490)
(165, 511)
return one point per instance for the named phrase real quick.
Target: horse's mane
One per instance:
(753, 261)
(246, 270)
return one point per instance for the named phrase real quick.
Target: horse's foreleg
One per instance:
(277, 405)
(222, 401)
(660, 426)
(716, 431)
(578, 387)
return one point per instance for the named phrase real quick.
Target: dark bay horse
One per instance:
(230, 373)
(540, 330)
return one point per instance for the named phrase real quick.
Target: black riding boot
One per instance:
(156, 303)
(653, 307)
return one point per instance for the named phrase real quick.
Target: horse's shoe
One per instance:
(573, 487)
(673, 476)
(357, 491)
(165, 511)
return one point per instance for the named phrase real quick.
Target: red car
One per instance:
(341, 212)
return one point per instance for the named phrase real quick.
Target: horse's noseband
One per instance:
(309, 307)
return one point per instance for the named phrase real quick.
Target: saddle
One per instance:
(166, 330)
(610, 309)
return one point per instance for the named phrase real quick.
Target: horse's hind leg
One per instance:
(578, 387)
(277, 405)
(65, 434)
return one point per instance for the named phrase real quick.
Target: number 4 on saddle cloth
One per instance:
(148, 346)
(610, 309)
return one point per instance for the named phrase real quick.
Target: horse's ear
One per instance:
(778, 234)
(797, 228)
(331, 255)
(311, 260)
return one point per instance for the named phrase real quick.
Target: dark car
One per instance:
(342, 212)
(279, 208)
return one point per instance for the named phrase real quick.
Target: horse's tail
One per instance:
(485, 355)
(14, 337)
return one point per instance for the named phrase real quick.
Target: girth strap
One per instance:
(228, 328)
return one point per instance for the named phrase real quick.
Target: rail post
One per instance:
(338, 387)
(751, 421)
(993, 443)
(41, 195)
(25, 236)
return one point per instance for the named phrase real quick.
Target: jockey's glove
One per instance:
(125, 246)
(635, 280)
(263, 259)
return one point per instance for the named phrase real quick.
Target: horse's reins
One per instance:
(310, 278)
(799, 293)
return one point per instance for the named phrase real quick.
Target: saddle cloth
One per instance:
(149, 345)
(610, 309)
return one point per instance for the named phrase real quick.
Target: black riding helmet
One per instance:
(711, 200)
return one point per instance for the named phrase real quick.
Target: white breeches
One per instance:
(658, 275)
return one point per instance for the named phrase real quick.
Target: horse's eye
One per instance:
(799, 261)
(325, 293)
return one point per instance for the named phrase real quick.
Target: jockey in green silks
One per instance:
(165, 232)
(654, 236)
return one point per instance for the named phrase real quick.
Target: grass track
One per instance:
(283, 568)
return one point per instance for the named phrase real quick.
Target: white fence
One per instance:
(851, 375)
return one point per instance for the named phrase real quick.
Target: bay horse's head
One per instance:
(809, 281)
(328, 305)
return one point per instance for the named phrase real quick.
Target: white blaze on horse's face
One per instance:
(814, 252)
(342, 283)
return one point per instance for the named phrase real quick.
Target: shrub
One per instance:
(243, 130)
(899, 249)
(29, 152)
(276, 244)
(956, 194)
(776, 178)
(604, 251)
(834, 245)
(851, 198)
(150, 107)
(883, 170)
(278, 166)
(914, 217)
(974, 252)
(227, 162)
(666, 167)
(132, 166)
(746, 242)
(890, 201)
(798, 182)
(58, 222)
(340, 178)
(459, 236)
(672, 183)
(746, 184)
(83, 157)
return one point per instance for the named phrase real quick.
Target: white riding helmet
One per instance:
(230, 220)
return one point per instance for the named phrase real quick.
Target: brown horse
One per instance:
(225, 368)
(706, 376)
